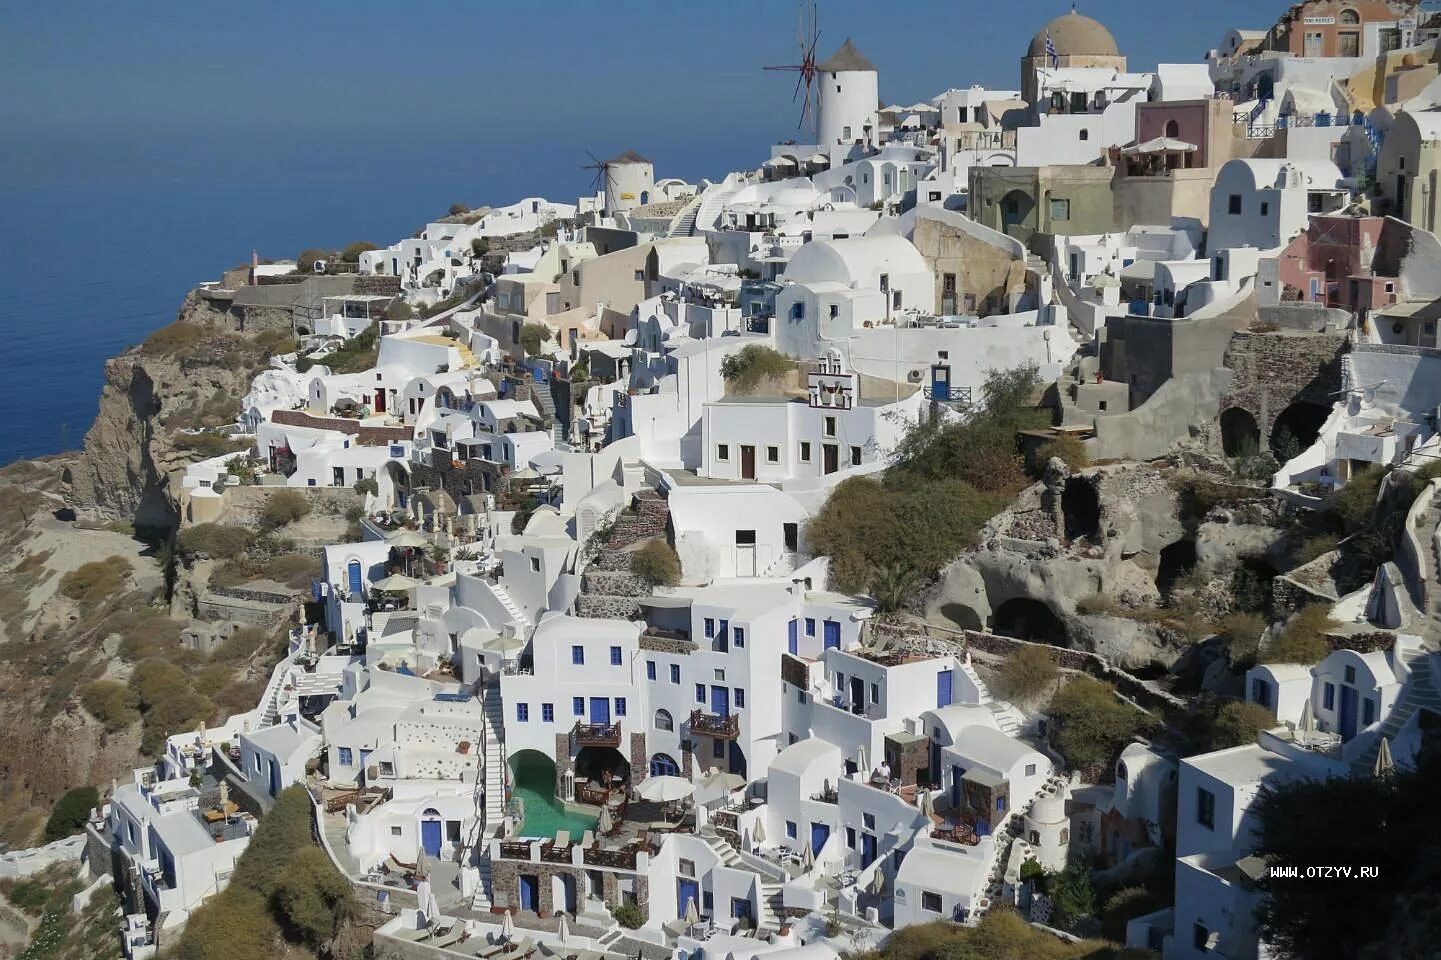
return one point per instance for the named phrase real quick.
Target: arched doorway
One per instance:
(1240, 434)
(1080, 508)
(1297, 428)
(1027, 619)
(664, 765)
(432, 831)
(601, 765)
(962, 616)
(394, 484)
(1016, 209)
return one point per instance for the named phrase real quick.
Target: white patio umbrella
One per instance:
(406, 538)
(422, 864)
(563, 932)
(760, 834)
(422, 899)
(507, 927)
(861, 761)
(692, 915)
(665, 789)
(1307, 723)
(1385, 766)
(606, 824)
(878, 882)
(808, 858)
(927, 804)
(395, 583)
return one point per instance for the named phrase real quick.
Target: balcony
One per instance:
(515, 849)
(596, 734)
(715, 725)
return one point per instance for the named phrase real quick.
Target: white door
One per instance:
(746, 561)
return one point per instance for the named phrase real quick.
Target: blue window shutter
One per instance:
(577, 706)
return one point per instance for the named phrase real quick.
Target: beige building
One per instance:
(1078, 41)
(975, 274)
(1407, 169)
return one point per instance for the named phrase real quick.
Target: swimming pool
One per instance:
(544, 814)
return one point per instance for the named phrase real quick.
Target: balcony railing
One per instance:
(715, 725)
(515, 849)
(597, 734)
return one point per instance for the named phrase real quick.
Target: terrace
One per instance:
(596, 734)
(714, 725)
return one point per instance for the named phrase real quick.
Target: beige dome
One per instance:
(1075, 35)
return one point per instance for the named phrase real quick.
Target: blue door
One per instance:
(820, 833)
(529, 885)
(868, 849)
(600, 710)
(720, 700)
(832, 635)
(686, 891)
(944, 681)
(353, 571)
(430, 836)
(1348, 712)
(274, 779)
(793, 638)
(737, 759)
(740, 907)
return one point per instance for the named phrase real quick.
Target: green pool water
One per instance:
(544, 814)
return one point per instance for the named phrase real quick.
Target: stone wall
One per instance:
(368, 436)
(1271, 371)
(639, 758)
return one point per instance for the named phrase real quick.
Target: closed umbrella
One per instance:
(1307, 723)
(422, 899)
(422, 864)
(760, 834)
(564, 930)
(692, 915)
(507, 927)
(861, 761)
(1385, 766)
(665, 789)
(808, 858)
(606, 823)
(927, 804)
(878, 882)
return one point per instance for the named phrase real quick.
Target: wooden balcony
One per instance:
(596, 734)
(715, 725)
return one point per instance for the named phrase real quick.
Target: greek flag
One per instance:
(1051, 52)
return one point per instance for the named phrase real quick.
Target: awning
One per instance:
(665, 603)
(1159, 145)
(818, 158)
(779, 162)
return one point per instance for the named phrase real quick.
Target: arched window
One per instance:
(1349, 17)
(663, 720)
(430, 813)
(664, 765)
(1065, 835)
(1035, 838)
(1173, 129)
(1120, 769)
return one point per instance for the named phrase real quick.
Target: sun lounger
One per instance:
(562, 838)
(455, 935)
(413, 936)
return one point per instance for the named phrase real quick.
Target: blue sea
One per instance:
(99, 246)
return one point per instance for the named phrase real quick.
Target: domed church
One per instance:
(1078, 41)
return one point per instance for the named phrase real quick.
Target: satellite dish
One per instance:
(630, 338)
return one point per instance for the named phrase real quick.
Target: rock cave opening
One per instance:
(1297, 428)
(1081, 509)
(1027, 619)
(1240, 434)
(1177, 560)
(962, 616)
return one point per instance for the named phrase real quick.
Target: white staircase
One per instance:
(773, 907)
(522, 622)
(684, 223)
(494, 755)
(1419, 693)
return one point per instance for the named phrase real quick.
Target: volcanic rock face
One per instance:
(124, 470)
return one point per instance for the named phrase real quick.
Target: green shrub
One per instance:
(1071, 450)
(311, 898)
(363, 486)
(399, 311)
(207, 444)
(177, 338)
(219, 541)
(292, 569)
(533, 338)
(751, 365)
(1355, 503)
(235, 925)
(1072, 893)
(92, 584)
(356, 355)
(352, 251)
(1090, 724)
(458, 209)
(110, 702)
(1099, 605)
(1314, 547)
(479, 247)
(241, 645)
(656, 562)
(1122, 907)
(628, 915)
(69, 816)
(1027, 673)
(305, 263)
(283, 507)
(1303, 639)
(1237, 723)
(1241, 632)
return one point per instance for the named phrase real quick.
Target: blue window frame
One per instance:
(700, 693)
(675, 673)
(522, 712)
(1000, 804)
(344, 756)
(740, 636)
(577, 706)
(740, 697)
(810, 626)
(868, 820)
(650, 669)
(547, 712)
(709, 627)
(577, 654)
(1328, 696)
(615, 657)
(620, 706)
(791, 829)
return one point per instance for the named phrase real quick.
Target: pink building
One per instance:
(1342, 262)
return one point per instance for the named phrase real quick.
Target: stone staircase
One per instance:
(607, 587)
(493, 783)
(772, 893)
(684, 223)
(540, 392)
(1419, 693)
